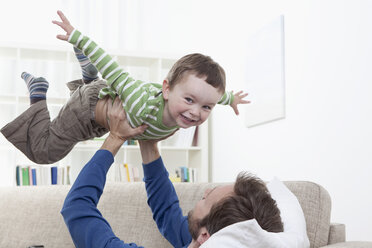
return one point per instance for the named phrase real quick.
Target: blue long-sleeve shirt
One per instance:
(86, 224)
(164, 204)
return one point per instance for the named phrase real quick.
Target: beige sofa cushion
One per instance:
(316, 204)
(31, 215)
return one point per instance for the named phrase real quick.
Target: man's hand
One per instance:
(117, 121)
(120, 130)
(238, 99)
(65, 25)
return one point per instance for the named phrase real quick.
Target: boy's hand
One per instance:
(65, 25)
(238, 99)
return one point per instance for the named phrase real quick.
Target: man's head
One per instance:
(192, 88)
(247, 199)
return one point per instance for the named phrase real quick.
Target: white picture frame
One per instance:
(265, 74)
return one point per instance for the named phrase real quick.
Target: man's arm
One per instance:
(162, 197)
(84, 221)
(86, 224)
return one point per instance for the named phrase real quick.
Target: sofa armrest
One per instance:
(350, 244)
(336, 233)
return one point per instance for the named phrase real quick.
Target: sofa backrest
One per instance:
(316, 204)
(31, 215)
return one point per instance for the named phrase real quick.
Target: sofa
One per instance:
(30, 215)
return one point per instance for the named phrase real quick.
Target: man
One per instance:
(222, 206)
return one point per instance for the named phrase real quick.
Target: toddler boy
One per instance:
(194, 85)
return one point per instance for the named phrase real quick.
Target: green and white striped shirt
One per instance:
(142, 101)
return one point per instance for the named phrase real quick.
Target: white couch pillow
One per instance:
(293, 218)
(249, 234)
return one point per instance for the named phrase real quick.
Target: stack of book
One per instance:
(42, 175)
(123, 173)
(184, 174)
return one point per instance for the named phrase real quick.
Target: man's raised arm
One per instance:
(162, 197)
(87, 226)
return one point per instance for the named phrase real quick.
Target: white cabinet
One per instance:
(60, 66)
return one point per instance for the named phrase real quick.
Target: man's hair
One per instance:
(201, 66)
(251, 200)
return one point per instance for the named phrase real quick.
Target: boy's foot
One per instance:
(37, 87)
(88, 70)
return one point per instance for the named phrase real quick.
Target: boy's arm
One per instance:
(229, 98)
(117, 78)
(162, 197)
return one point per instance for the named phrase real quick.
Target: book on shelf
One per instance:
(100, 140)
(54, 174)
(60, 175)
(33, 172)
(25, 176)
(66, 177)
(18, 176)
(36, 175)
(30, 176)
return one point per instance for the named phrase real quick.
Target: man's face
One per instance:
(189, 102)
(202, 208)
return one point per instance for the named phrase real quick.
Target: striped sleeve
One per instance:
(226, 98)
(117, 78)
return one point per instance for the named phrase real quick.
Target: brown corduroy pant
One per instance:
(44, 141)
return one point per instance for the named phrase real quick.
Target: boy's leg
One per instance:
(88, 70)
(30, 133)
(45, 142)
(37, 87)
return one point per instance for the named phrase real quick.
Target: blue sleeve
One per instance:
(164, 204)
(84, 221)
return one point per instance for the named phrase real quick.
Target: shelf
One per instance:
(5, 147)
(8, 52)
(171, 148)
(8, 98)
(12, 49)
(43, 54)
(50, 100)
(95, 145)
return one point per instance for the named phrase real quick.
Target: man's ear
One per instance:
(165, 89)
(203, 235)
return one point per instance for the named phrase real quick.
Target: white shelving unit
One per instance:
(59, 66)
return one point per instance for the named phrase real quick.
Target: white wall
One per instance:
(326, 135)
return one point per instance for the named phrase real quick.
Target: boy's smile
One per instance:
(189, 102)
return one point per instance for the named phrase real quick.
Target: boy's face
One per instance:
(189, 102)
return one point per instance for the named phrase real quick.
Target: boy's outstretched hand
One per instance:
(238, 99)
(65, 25)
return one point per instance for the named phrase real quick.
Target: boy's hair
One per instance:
(251, 200)
(201, 66)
